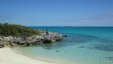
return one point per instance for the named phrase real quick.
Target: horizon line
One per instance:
(69, 26)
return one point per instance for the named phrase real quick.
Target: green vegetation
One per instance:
(17, 30)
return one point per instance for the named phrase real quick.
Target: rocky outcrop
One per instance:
(49, 37)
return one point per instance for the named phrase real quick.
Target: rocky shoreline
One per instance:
(44, 37)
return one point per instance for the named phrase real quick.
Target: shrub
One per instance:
(17, 30)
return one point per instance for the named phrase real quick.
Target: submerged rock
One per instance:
(57, 50)
(64, 35)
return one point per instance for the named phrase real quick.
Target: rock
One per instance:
(47, 41)
(1, 46)
(13, 44)
(64, 35)
(33, 40)
(27, 44)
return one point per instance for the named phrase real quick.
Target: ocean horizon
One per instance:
(83, 45)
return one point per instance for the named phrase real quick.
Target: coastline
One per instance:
(7, 56)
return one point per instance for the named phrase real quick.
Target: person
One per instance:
(47, 33)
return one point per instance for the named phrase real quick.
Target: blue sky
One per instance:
(57, 12)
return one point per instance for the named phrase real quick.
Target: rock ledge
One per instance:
(45, 38)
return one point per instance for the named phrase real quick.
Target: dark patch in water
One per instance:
(48, 46)
(57, 51)
(92, 48)
(109, 58)
(79, 39)
(103, 47)
(82, 39)
(82, 47)
(106, 40)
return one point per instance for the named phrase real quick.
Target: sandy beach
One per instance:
(9, 57)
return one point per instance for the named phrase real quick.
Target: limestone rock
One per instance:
(48, 37)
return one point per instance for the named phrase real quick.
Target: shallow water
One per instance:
(84, 45)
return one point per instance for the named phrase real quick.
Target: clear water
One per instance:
(84, 45)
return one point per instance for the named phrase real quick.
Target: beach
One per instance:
(83, 45)
(7, 56)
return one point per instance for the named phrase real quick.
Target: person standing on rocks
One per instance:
(46, 32)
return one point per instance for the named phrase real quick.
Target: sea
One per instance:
(83, 45)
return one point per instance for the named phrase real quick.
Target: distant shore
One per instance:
(9, 57)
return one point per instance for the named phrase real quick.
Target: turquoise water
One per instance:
(84, 45)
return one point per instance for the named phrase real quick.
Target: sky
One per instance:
(57, 12)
